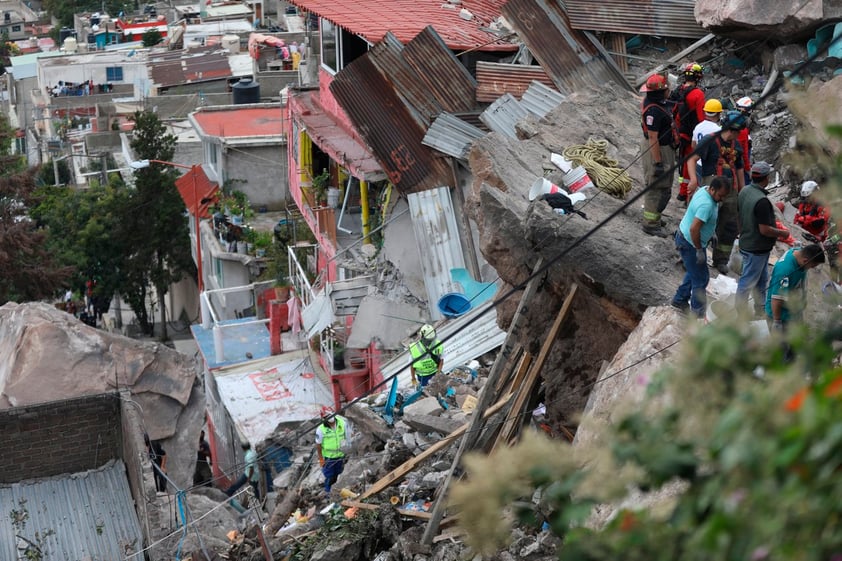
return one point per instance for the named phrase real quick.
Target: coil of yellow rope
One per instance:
(605, 172)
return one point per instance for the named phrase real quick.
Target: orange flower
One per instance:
(628, 521)
(795, 402)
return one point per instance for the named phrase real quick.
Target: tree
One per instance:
(157, 231)
(152, 37)
(27, 271)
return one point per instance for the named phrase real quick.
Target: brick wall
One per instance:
(59, 437)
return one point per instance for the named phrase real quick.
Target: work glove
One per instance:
(714, 241)
(659, 169)
(322, 462)
(778, 326)
(701, 256)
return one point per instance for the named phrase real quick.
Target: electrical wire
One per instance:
(309, 426)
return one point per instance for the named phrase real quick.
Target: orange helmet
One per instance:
(654, 83)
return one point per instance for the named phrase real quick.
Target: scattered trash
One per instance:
(470, 404)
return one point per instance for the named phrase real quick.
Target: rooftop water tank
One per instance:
(70, 45)
(246, 91)
(232, 43)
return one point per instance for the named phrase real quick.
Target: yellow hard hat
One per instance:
(713, 106)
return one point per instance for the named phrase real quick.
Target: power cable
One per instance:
(576, 243)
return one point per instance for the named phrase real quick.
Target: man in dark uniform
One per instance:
(658, 148)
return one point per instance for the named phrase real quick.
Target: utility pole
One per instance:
(103, 158)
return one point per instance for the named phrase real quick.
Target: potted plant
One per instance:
(238, 206)
(250, 236)
(262, 242)
(320, 186)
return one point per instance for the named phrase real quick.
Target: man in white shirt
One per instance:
(713, 109)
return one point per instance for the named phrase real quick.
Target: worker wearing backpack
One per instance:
(688, 111)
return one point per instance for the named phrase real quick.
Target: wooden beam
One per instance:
(673, 59)
(412, 463)
(510, 425)
(472, 434)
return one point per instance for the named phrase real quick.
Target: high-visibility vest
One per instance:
(428, 365)
(332, 439)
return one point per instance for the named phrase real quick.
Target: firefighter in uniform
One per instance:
(658, 148)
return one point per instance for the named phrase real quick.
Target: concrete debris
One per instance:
(756, 19)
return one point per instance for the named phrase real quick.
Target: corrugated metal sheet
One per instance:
(446, 79)
(540, 100)
(670, 18)
(372, 19)
(437, 236)
(568, 56)
(461, 344)
(347, 294)
(261, 394)
(452, 136)
(91, 514)
(495, 79)
(388, 125)
(388, 56)
(502, 115)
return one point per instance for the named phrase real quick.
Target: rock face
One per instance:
(47, 354)
(760, 19)
(620, 270)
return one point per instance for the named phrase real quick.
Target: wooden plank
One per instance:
(521, 371)
(510, 425)
(472, 434)
(504, 382)
(412, 463)
(673, 59)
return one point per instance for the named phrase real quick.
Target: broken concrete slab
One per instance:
(364, 420)
(424, 406)
(758, 19)
(429, 423)
(389, 321)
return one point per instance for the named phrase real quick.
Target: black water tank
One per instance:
(64, 33)
(246, 91)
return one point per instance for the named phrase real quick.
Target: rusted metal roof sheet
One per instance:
(91, 515)
(571, 59)
(197, 191)
(495, 79)
(448, 80)
(669, 18)
(388, 57)
(166, 72)
(452, 136)
(439, 244)
(502, 115)
(372, 19)
(540, 99)
(389, 102)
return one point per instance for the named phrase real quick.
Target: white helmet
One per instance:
(427, 332)
(745, 103)
(808, 188)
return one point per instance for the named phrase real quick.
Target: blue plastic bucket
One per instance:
(454, 304)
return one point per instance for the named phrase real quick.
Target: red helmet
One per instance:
(693, 70)
(654, 83)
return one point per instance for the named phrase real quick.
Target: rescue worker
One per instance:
(691, 239)
(660, 140)
(758, 234)
(332, 439)
(744, 106)
(688, 111)
(812, 216)
(426, 354)
(783, 303)
(710, 124)
(721, 155)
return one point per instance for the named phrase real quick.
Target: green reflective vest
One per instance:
(332, 439)
(428, 365)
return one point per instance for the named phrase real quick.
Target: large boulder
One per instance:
(761, 19)
(48, 355)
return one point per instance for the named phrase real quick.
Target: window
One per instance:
(340, 48)
(16, 28)
(212, 156)
(330, 45)
(114, 74)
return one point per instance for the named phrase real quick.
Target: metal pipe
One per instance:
(365, 209)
